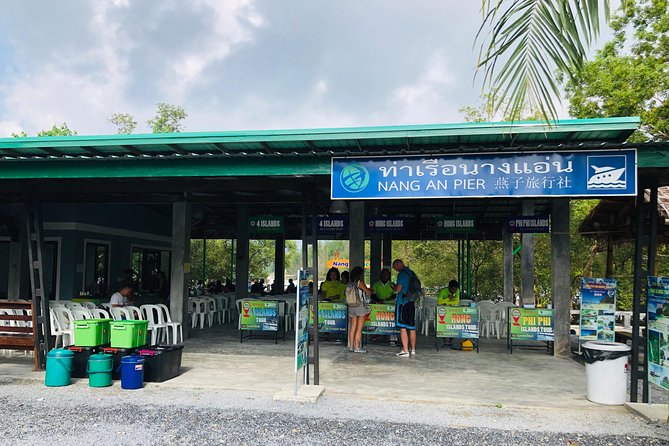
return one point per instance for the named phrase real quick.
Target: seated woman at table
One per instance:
(384, 289)
(331, 289)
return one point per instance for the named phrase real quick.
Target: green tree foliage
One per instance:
(491, 109)
(218, 259)
(63, 130)
(124, 122)
(524, 41)
(630, 75)
(167, 119)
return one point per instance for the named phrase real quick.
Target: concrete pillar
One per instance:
(280, 261)
(242, 267)
(17, 281)
(181, 221)
(357, 234)
(527, 260)
(560, 274)
(375, 258)
(387, 251)
(507, 242)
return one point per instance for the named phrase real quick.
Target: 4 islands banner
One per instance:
(531, 324)
(658, 331)
(259, 315)
(598, 309)
(457, 322)
(332, 317)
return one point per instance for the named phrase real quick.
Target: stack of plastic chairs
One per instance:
(177, 330)
(157, 326)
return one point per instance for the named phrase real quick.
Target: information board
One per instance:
(332, 317)
(531, 324)
(302, 320)
(380, 320)
(266, 224)
(457, 322)
(454, 225)
(594, 173)
(390, 224)
(332, 224)
(598, 309)
(259, 315)
(528, 224)
(658, 331)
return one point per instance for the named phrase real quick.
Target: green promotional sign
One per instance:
(259, 315)
(332, 317)
(454, 225)
(531, 324)
(658, 331)
(266, 224)
(380, 320)
(301, 323)
(457, 322)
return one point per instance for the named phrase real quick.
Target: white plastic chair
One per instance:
(89, 305)
(98, 313)
(80, 313)
(222, 308)
(56, 330)
(238, 303)
(157, 326)
(106, 305)
(135, 312)
(120, 313)
(198, 313)
(64, 318)
(174, 326)
(429, 315)
(70, 304)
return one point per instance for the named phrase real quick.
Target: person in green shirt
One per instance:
(383, 289)
(332, 288)
(449, 296)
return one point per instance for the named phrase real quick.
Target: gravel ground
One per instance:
(155, 416)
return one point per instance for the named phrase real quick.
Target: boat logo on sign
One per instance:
(354, 178)
(607, 172)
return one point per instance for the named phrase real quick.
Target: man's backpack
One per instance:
(415, 291)
(352, 295)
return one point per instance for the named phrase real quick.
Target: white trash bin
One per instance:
(606, 366)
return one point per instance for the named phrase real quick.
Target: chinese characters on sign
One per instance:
(531, 174)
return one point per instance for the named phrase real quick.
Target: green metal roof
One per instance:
(217, 153)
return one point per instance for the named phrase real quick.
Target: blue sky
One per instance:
(236, 64)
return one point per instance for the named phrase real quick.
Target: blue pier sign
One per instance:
(603, 173)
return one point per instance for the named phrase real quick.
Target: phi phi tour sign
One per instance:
(527, 174)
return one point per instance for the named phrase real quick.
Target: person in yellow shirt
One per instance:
(332, 288)
(449, 296)
(384, 289)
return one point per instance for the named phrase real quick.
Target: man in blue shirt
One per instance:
(405, 311)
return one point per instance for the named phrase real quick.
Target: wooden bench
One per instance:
(17, 330)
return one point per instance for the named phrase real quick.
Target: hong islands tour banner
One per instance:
(380, 320)
(658, 331)
(457, 322)
(531, 324)
(332, 317)
(259, 315)
(528, 174)
(598, 309)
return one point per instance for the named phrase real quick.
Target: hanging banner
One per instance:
(385, 224)
(528, 174)
(531, 324)
(598, 309)
(528, 224)
(266, 224)
(302, 325)
(658, 331)
(454, 225)
(259, 315)
(332, 317)
(457, 322)
(332, 224)
(380, 320)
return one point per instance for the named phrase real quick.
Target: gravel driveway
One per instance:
(155, 416)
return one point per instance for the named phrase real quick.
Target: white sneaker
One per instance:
(402, 354)
(413, 352)
(359, 350)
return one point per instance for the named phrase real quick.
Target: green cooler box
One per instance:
(128, 334)
(91, 332)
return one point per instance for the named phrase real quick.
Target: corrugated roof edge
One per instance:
(623, 127)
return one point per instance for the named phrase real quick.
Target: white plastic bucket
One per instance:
(607, 378)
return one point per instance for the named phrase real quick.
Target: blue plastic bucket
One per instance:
(58, 367)
(132, 372)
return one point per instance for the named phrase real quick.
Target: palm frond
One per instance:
(523, 42)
